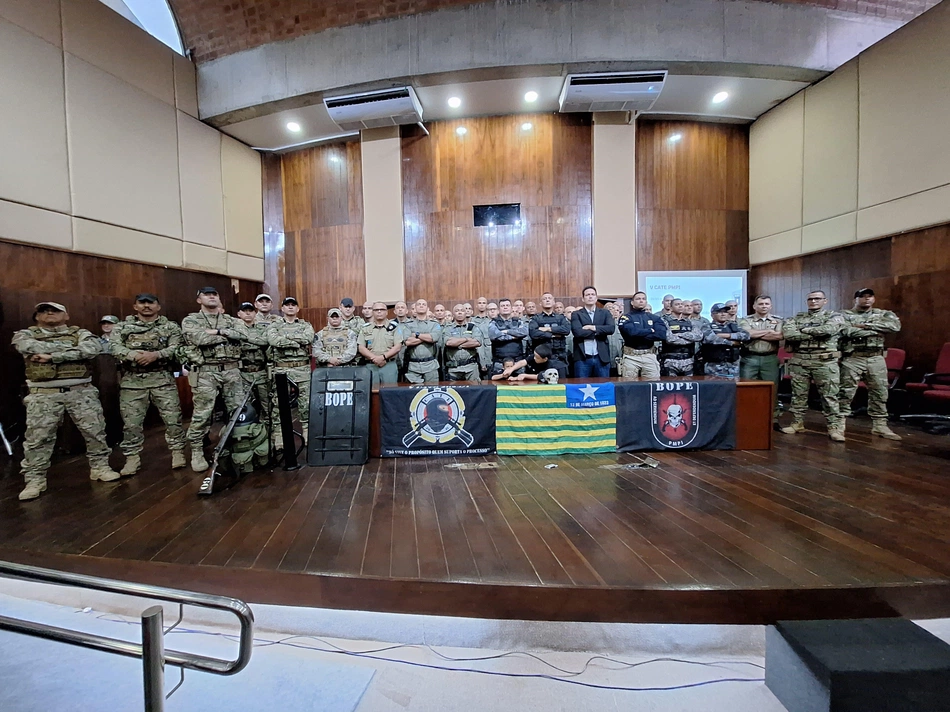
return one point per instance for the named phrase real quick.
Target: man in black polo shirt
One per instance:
(548, 327)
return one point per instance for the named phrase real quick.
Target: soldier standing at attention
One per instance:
(213, 341)
(422, 344)
(480, 315)
(145, 346)
(263, 303)
(667, 309)
(59, 376)
(721, 344)
(379, 343)
(682, 335)
(463, 342)
(640, 329)
(507, 334)
(106, 326)
(699, 368)
(863, 349)
(348, 312)
(335, 344)
(289, 340)
(546, 327)
(760, 355)
(812, 339)
(254, 361)
(367, 313)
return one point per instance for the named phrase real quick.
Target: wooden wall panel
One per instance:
(692, 196)
(317, 255)
(909, 274)
(89, 287)
(547, 169)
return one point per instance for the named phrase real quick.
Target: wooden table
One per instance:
(753, 409)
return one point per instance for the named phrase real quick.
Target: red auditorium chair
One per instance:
(939, 380)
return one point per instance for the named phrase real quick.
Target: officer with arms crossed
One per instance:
(59, 376)
(254, 361)
(461, 343)
(212, 342)
(682, 335)
(640, 329)
(422, 345)
(289, 341)
(335, 344)
(507, 333)
(812, 339)
(721, 344)
(145, 346)
(863, 349)
(546, 327)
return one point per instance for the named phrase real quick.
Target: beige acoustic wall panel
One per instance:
(123, 152)
(243, 198)
(775, 169)
(932, 207)
(39, 17)
(244, 267)
(186, 85)
(110, 241)
(207, 259)
(23, 223)
(105, 39)
(830, 186)
(33, 163)
(776, 247)
(905, 110)
(614, 205)
(381, 152)
(202, 204)
(837, 231)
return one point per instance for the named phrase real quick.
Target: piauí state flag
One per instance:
(553, 420)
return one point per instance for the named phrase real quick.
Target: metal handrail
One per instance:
(190, 661)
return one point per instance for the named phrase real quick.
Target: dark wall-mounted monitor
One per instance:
(494, 215)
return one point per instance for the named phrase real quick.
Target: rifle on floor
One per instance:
(209, 482)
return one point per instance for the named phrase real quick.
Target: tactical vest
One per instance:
(148, 339)
(722, 352)
(335, 341)
(862, 343)
(513, 349)
(677, 351)
(57, 371)
(215, 353)
(297, 352)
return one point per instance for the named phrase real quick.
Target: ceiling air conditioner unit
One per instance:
(611, 91)
(375, 109)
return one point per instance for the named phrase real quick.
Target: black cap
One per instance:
(718, 307)
(147, 297)
(864, 293)
(247, 306)
(289, 300)
(207, 290)
(346, 302)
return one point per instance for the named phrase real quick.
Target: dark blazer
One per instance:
(605, 327)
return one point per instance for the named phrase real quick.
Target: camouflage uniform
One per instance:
(339, 343)
(721, 357)
(289, 353)
(462, 364)
(812, 339)
(379, 340)
(266, 319)
(760, 357)
(676, 352)
(699, 368)
(215, 361)
(62, 385)
(863, 349)
(254, 369)
(155, 382)
(354, 324)
(422, 362)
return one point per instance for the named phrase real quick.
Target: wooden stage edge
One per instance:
(724, 606)
(753, 408)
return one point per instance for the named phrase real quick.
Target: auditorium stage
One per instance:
(808, 529)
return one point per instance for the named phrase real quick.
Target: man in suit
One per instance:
(591, 327)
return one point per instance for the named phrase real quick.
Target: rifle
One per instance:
(207, 484)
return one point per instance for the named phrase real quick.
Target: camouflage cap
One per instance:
(334, 312)
(55, 305)
(263, 296)
(109, 319)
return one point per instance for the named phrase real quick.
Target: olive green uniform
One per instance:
(422, 360)
(338, 343)
(153, 383)
(812, 339)
(63, 385)
(759, 360)
(863, 358)
(254, 369)
(462, 364)
(379, 340)
(215, 364)
(289, 353)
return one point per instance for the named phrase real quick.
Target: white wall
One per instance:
(102, 152)
(862, 154)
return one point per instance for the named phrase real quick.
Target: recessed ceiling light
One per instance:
(526, 126)
(455, 102)
(531, 96)
(461, 130)
(675, 137)
(720, 97)
(293, 126)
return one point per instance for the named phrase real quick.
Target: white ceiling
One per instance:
(686, 95)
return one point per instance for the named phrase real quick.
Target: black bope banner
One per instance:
(676, 415)
(437, 420)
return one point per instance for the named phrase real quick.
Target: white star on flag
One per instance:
(589, 391)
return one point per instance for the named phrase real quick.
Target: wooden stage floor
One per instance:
(809, 529)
